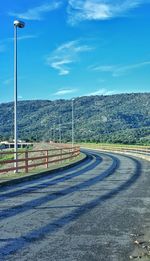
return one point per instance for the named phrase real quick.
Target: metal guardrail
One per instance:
(36, 158)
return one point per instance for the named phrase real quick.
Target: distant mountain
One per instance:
(121, 118)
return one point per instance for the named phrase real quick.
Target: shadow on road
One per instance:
(13, 211)
(37, 234)
(48, 181)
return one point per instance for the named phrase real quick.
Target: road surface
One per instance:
(87, 212)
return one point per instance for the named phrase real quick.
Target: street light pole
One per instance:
(20, 25)
(72, 122)
(54, 136)
(59, 130)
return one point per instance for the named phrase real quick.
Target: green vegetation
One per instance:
(110, 146)
(11, 155)
(122, 118)
(6, 157)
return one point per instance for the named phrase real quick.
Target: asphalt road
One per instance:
(84, 213)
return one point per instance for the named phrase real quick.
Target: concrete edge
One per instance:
(43, 173)
(141, 156)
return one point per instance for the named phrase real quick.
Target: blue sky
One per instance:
(72, 48)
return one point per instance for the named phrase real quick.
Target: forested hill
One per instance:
(121, 118)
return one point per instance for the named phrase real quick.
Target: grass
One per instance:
(6, 157)
(11, 155)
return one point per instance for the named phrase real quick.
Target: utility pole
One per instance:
(17, 24)
(72, 122)
(54, 136)
(60, 138)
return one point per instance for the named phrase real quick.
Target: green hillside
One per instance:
(121, 118)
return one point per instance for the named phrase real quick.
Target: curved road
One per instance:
(84, 213)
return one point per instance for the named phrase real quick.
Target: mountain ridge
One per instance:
(117, 118)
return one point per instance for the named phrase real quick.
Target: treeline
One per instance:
(122, 118)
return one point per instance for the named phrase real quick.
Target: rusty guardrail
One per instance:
(31, 159)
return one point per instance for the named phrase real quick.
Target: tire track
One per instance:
(13, 211)
(52, 227)
(50, 181)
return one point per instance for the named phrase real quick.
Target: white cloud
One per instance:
(37, 13)
(80, 10)
(66, 54)
(60, 66)
(62, 92)
(117, 70)
(100, 91)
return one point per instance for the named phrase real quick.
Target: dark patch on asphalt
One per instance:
(54, 181)
(10, 212)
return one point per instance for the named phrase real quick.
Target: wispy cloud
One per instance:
(101, 91)
(62, 92)
(23, 37)
(26, 37)
(80, 10)
(66, 54)
(117, 70)
(8, 81)
(37, 12)
(125, 69)
(5, 42)
(104, 68)
(61, 66)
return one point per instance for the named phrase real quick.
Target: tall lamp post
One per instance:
(54, 134)
(72, 122)
(59, 130)
(17, 24)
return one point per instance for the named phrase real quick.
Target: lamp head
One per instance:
(19, 24)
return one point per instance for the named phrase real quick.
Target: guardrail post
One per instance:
(26, 162)
(47, 159)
